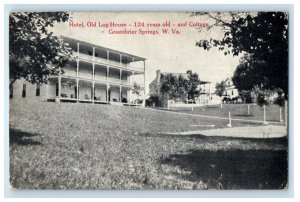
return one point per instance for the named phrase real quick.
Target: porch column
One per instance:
(132, 61)
(129, 96)
(107, 89)
(107, 72)
(77, 49)
(59, 85)
(107, 55)
(130, 82)
(93, 91)
(209, 94)
(120, 75)
(120, 96)
(131, 78)
(204, 93)
(93, 70)
(144, 99)
(77, 89)
(93, 53)
(77, 68)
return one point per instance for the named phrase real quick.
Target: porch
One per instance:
(68, 89)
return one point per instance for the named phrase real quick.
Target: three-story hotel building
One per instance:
(96, 75)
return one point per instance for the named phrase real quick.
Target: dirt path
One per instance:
(269, 131)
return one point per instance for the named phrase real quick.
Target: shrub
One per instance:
(262, 99)
(280, 101)
(247, 97)
(153, 100)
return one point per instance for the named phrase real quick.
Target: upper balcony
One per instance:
(98, 73)
(105, 56)
(98, 60)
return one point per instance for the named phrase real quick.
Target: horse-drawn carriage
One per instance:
(234, 100)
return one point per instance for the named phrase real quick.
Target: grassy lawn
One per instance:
(85, 146)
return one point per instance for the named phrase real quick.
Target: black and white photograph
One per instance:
(148, 100)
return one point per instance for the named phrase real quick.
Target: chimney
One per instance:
(189, 72)
(158, 75)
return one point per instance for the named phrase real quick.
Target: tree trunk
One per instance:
(11, 86)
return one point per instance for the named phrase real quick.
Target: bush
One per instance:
(124, 100)
(262, 99)
(153, 100)
(280, 101)
(247, 97)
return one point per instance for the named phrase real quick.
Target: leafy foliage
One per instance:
(220, 88)
(171, 87)
(192, 85)
(262, 99)
(137, 89)
(180, 87)
(247, 96)
(34, 52)
(280, 101)
(263, 37)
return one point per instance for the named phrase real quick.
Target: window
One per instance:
(231, 92)
(38, 89)
(90, 53)
(228, 83)
(24, 90)
(96, 55)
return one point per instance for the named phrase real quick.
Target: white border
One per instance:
(4, 118)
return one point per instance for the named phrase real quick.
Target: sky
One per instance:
(168, 52)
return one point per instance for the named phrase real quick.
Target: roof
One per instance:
(185, 75)
(136, 58)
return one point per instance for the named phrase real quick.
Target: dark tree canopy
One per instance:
(172, 86)
(34, 52)
(192, 85)
(180, 87)
(263, 38)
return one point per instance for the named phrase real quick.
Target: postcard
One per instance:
(148, 100)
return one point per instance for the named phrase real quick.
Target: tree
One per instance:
(263, 37)
(192, 85)
(34, 52)
(220, 88)
(137, 89)
(171, 87)
(180, 87)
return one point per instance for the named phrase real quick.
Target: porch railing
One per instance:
(96, 77)
(108, 62)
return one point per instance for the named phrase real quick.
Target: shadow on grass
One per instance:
(234, 169)
(22, 138)
(280, 140)
(243, 115)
